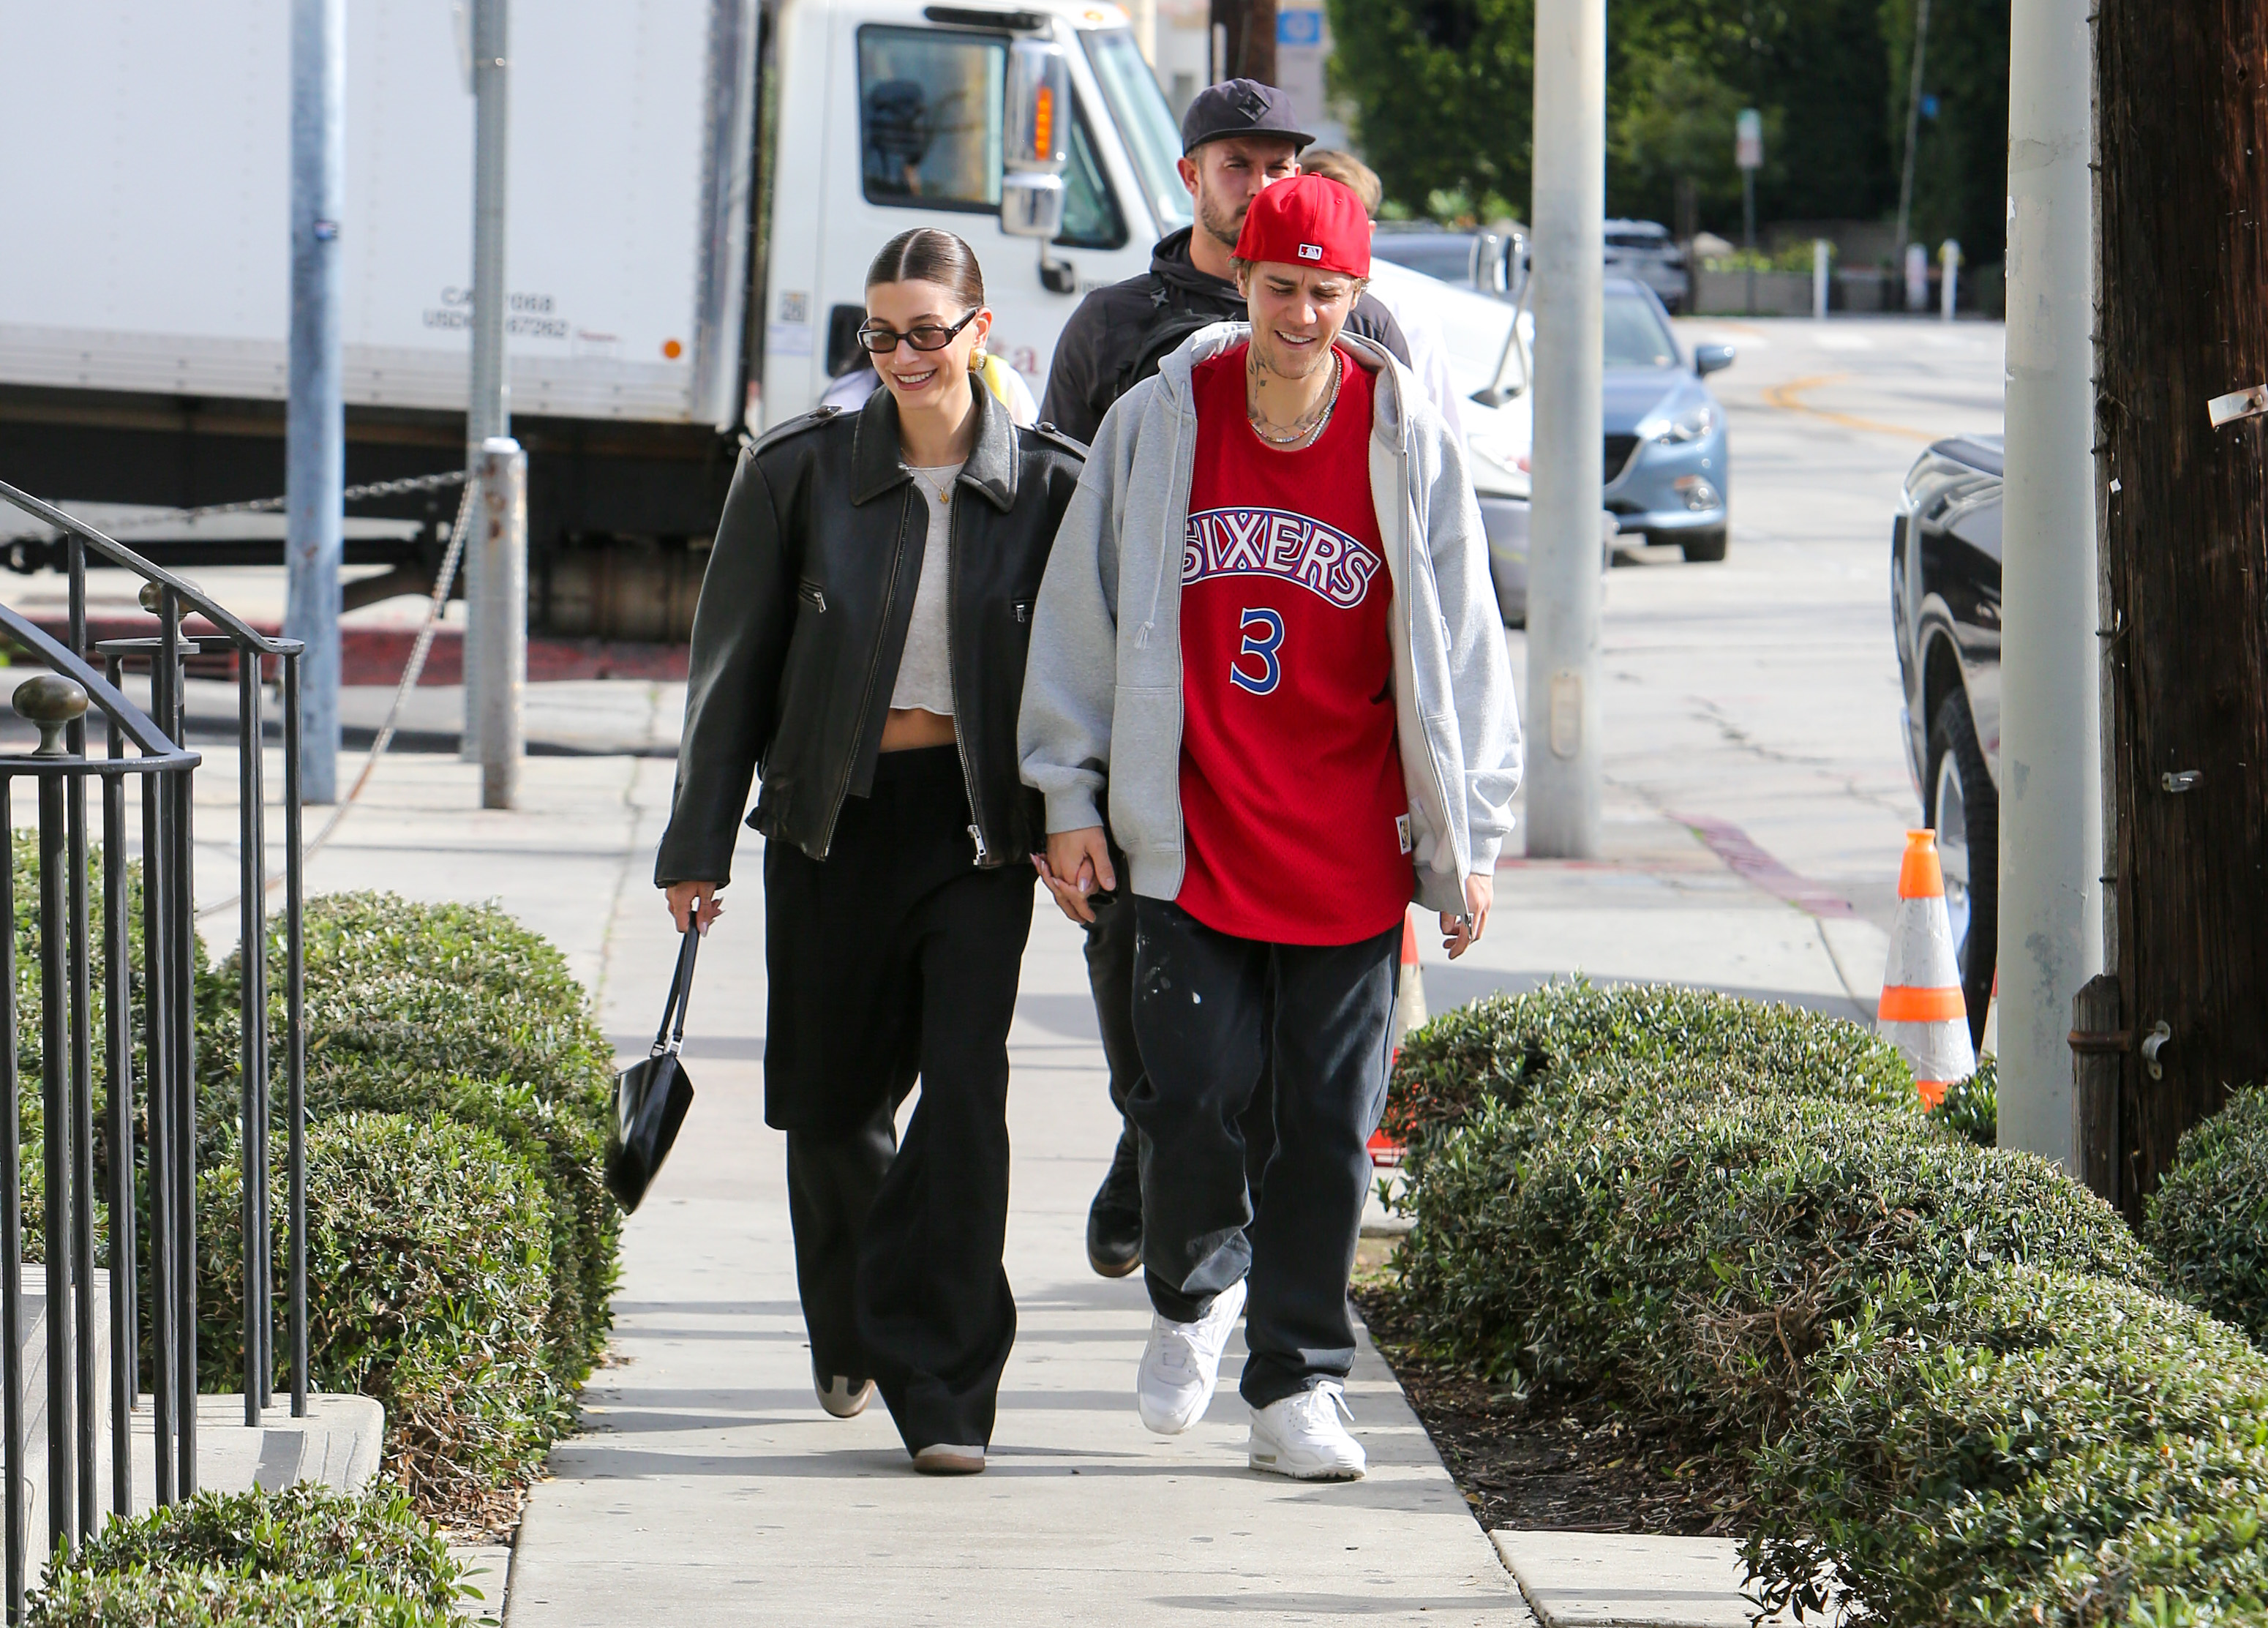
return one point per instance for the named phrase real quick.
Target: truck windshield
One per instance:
(1144, 122)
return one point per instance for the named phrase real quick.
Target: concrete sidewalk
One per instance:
(708, 1487)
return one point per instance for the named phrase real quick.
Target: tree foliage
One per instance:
(1444, 94)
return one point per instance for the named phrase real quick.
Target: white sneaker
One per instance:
(836, 1397)
(1183, 1362)
(1301, 1437)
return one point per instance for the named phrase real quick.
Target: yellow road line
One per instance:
(1788, 396)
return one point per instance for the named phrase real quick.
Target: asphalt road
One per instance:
(1764, 692)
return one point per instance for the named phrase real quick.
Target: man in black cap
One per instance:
(1237, 137)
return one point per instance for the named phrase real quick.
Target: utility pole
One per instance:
(1569, 247)
(1913, 120)
(1247, 29)
(2182, 143)
(2051, 896)
(487, 412)
(315, 432)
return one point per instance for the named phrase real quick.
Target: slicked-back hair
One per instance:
(927, 254)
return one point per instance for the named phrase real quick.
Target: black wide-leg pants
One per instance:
(895, 959)
(1215, 1014)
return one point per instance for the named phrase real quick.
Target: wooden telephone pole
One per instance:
(1245, 31)
(2182, 137)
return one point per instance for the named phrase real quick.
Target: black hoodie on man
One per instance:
(1119, 332)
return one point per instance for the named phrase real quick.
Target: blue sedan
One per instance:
(1668, 467)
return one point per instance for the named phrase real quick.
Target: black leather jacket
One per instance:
(803, 616)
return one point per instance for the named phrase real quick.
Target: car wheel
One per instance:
(1964, 811)
(1704, 547)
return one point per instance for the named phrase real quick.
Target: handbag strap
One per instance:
(680, 996)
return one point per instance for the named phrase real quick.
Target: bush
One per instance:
(304, 1532)
(429, 1272)
(2031, 1447)
(217, 1600)
(2208, 1220)
(1970, 1108)
(286, 1559)
(1690, 1252)
(1509, 1048)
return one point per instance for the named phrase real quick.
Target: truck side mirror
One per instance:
(1032, 195)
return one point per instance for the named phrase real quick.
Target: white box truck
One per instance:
(695, 188)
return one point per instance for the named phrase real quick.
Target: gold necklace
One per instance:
(1301, 431)
(942, 493)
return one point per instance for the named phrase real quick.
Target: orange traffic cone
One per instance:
(1408, 1013)
(1923, 1013)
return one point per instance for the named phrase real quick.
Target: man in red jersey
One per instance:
(1267, 636)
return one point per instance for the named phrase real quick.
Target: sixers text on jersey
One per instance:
(1275, 542)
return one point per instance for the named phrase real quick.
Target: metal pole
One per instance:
(1913, 118)
(315, 429)
(1948, 287)
(1563, 572)
(1819, 278)
(501, 629)
(488, 411)
(2051, 744)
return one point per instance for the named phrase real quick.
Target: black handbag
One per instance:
(651, 1096)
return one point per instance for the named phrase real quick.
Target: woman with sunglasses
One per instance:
(860, 640)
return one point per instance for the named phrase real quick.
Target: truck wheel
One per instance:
(1964, 811)
(1704, 547)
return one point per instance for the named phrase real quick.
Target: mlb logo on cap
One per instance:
(1309, 220)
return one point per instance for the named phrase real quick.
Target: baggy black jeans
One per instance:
(1110, 977)
(895, 958)
(1214, 1012)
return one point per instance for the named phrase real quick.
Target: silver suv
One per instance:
(1643, 251)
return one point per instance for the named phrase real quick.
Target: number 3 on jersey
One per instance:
(1270, 637)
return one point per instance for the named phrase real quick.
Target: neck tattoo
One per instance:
(1310, 425)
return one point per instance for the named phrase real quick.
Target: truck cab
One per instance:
(891, 114)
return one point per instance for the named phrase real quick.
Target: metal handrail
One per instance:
(118, 554)
(63, 768)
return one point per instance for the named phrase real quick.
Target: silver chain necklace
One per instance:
(1297, 433)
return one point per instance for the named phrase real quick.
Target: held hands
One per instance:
(694, 898)
(1075, 865)
(1459, 936)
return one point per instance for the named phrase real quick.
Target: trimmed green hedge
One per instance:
(1510, 1049)
(430, 1282)
(1949, 1368)
(1971, 1107)
(2208, 1220)
(288, 1559)
(2033, 1447)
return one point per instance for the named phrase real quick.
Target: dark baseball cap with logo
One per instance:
(1241, 107)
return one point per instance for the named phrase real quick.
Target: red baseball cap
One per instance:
(1309, 220)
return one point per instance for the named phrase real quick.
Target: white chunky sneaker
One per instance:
(1301, 1437)
(837, 1396)
(1181, 1363)
(939, 1459)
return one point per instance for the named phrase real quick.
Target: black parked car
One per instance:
(1945, 606)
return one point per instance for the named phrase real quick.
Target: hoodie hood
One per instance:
(1171, 263)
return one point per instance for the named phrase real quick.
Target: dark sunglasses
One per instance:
(882, 341)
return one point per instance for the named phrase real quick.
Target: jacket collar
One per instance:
(876, 467)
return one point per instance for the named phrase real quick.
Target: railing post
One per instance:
(295, 1038)
(252, 960)
(54, 1097)
(11, 1228)
(118, 995)
(157, 1026)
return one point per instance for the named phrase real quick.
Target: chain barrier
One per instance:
(276, 505)
(410, 673)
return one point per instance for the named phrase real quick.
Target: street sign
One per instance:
(1749, 146)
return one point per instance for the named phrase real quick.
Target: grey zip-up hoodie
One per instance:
(1102, 686)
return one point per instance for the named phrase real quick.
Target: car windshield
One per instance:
(1444, 255)
(1637, 239)
(1144, 120)
(1635, 336)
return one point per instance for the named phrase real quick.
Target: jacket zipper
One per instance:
(1410, 565)
(953, 688)
(873, 666)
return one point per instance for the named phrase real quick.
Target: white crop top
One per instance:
(924, 668)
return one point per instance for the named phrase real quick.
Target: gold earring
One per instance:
(976, 360)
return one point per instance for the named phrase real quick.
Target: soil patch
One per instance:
(1551, 1462)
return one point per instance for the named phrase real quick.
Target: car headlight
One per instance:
(1690, 425)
